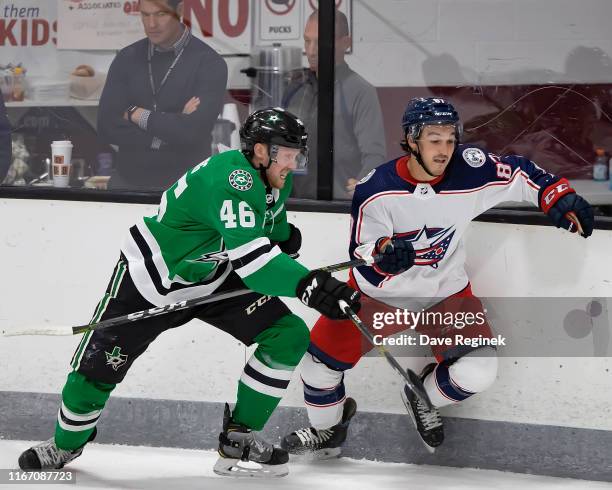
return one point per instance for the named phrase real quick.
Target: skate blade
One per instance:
(318, 455)
(327, 453)
(249, 469)
(430, 449)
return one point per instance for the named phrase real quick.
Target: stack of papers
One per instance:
(42, 89)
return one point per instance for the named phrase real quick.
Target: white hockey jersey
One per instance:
(434, 216)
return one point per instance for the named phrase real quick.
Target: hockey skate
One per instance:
(321, 443)
(428, 423)
(242, 453)
(47, 456)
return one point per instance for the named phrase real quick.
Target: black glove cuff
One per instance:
(305, 288)
(293, 244)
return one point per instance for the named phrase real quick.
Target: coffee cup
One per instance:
(61, 156)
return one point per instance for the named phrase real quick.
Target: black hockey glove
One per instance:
(321, 291)
(573, 203)
(292, 245)
(397, 255)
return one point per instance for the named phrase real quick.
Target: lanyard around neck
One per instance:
(163, 82)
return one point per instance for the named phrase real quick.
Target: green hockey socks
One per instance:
(269, 370)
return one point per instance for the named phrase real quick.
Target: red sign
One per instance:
(131, 7)
(203, 12)
(280, 7)
(27, 32)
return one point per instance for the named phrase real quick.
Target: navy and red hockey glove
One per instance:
(291, 245)
(321, 291)
(566, 209)
(397, 255)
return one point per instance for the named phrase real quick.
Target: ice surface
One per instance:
(109, 467)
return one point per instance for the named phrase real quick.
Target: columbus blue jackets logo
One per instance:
(440, 240)
(474, 157)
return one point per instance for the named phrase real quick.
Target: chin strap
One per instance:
(262, 171)
(417, 156)
(264, 177)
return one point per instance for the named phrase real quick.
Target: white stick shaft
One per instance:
(38, 331)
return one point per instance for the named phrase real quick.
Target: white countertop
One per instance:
(53, 103)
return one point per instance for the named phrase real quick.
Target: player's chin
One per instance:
(279, 182)
(438, 168)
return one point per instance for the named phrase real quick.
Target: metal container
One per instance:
(272, 69)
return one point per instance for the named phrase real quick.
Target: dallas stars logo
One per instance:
(215, 257)
(115, 359)
(274, 118)
(241, 180)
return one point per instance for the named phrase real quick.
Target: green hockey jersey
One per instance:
(216, 218)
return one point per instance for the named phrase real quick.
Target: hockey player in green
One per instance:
(223, 225)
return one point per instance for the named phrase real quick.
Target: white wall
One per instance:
(56, 258)
(426, 42)
(463, 42)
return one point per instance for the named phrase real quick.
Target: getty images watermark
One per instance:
(447, 326)
(514, 326)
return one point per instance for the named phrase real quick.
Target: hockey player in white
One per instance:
(421, 204)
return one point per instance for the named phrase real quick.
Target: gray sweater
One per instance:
(172, 142)
(359, 139)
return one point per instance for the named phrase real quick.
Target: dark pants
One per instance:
(106, 355)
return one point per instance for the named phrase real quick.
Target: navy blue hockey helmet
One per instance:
(421, 112)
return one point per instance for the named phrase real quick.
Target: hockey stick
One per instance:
(574, 219)
(162, 310)
(413, 382)
(349, 264)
